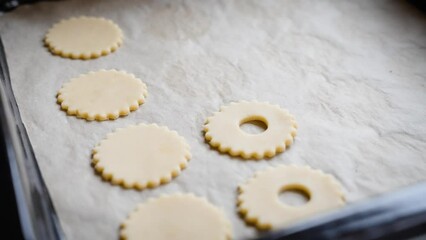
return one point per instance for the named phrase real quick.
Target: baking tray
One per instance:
(398, 215)
(37, 217)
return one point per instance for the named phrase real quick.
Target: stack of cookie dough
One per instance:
(145, 155)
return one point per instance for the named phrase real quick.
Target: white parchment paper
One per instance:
(352, 72)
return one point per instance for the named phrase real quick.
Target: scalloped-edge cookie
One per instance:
(102, 95)
(222, 130)
(258, 200)
(141, 156)
(177, 216)
(83, 37)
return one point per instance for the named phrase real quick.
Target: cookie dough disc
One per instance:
(222, 130)
(178, 217)
(141, 156)
(259, 203)
(84, 37)
(102, 95)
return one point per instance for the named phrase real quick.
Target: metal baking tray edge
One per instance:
(37, 216)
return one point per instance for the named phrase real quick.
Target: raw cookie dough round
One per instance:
(141, 156)
(83, 37)
(259, 204)
(102, 95)
(178, 217)
(222, 130)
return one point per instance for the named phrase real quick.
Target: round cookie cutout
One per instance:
(83, 37)
(259, 204)
(223, 131)
(102, 95)
(141, 156)
(178, 217)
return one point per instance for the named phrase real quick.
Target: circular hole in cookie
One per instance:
(254, 125)
(294, 195)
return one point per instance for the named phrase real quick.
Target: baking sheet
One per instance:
(352, 72)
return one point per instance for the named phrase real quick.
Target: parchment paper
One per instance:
(352, 72)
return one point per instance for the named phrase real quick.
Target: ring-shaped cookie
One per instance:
(223, 131)
(259, 202)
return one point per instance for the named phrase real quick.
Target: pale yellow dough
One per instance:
(177, 217)
(222, 130)
(83, 37)
(259, 203)
(102, 95)
(141, 156)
